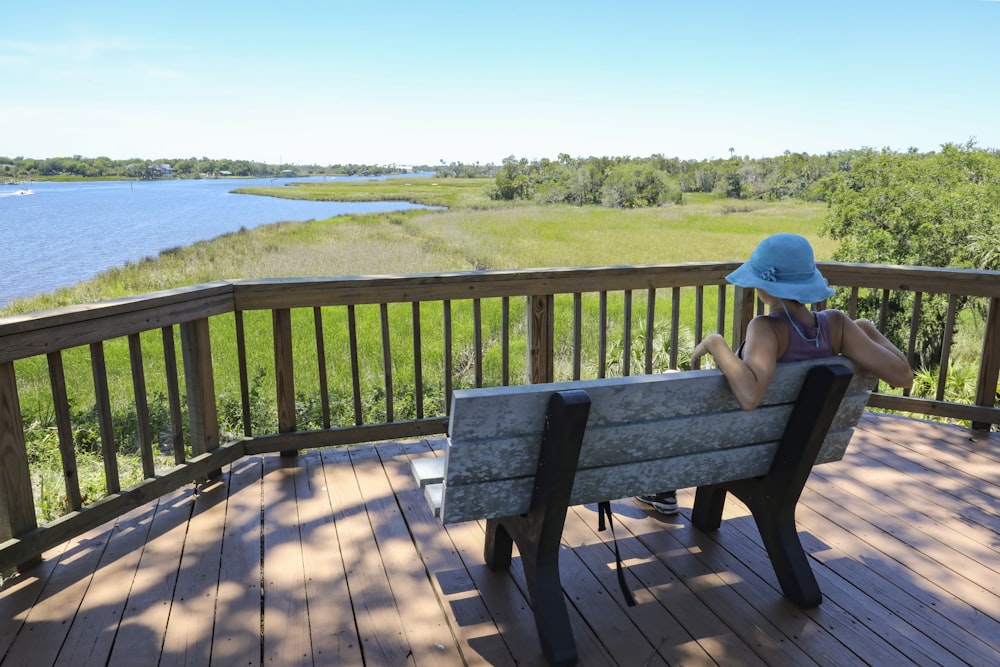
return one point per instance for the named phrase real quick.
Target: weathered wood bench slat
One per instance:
(520, 409)
(640, 441)
(505, 496)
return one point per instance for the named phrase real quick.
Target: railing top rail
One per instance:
(42, 332)
(966, 282)
(274, 293)
(60, 328)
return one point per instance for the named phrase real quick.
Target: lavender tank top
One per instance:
(798, 348)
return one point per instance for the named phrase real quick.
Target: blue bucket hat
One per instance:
(783, 266)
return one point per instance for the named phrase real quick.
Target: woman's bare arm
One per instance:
(865, 345)
(750, 376)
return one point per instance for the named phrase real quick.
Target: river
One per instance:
(63, 233)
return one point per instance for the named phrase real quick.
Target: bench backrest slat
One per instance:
(674, 430)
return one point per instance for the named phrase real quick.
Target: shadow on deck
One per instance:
(332, 558)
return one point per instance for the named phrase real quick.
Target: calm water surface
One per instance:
(68, 232)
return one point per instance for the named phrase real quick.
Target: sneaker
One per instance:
(664, 502)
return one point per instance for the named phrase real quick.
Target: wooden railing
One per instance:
(373, 358)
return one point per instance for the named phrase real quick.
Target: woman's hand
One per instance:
(703, 348)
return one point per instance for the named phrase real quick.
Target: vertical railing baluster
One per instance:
(324, 389)
(945, 359)
(284, 372)
(199, 380)
(675, 324)
(477, 340)
(145, 428)
(505, 340)
(989, 365)
(541, 319)
(352, 329)
(743, 312)
(883, 311)
(448, 380)
(241, 354)
(105, 421)
(577, 334)
(627, 334)
(699, 313)
(174, 394)
(650, 328)
(720, 312)
(17, 505)
(64, 427)
(386, 361)
(602, 336)
(418, 364)
(911, 347)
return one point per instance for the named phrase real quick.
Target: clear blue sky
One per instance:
(420, 82)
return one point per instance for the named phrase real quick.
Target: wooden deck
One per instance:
(333, 558)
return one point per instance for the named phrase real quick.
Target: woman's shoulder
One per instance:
(833, 314)
(768, 325)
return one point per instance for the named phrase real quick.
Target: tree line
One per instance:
(625, 182)
(77, 166)
(938, 208)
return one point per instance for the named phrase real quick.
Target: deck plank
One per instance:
(331, 621)
(664, 635)
(98, 621)
(689, 616)
(743, 563)
(671, 543)
(847, 613)
(236, 638)
(425, 625)
(47, 622)
(903, 535)
(188, 638)
(380, 629)
(143, 622)
(940, 587)
(469, 620)
(286, 609)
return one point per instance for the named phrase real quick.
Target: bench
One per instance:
(520, 456)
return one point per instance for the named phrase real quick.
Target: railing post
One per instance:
(199, 381)
(17, 506)
(743, 312)
(989, 367)
(284, 377)
(541, 322)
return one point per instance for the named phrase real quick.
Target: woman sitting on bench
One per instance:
(783, 271)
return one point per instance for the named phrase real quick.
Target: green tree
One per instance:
(938, 209)
(636, 185)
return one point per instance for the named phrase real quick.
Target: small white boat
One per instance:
(16, 193)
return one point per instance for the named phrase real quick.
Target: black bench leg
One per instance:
(773, 497)
(709, 502)
(499, 546)
(791, 566)
(539, 532)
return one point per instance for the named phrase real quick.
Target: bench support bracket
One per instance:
(539, 532)
(773, 497)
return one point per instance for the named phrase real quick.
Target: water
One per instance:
(67, 232)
